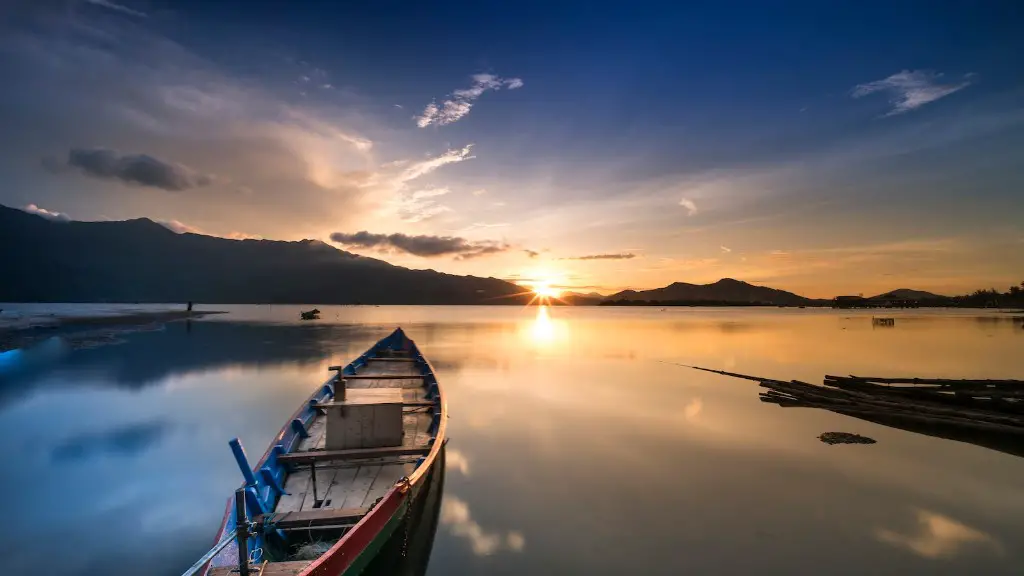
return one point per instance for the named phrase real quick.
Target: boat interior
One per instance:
(368, 429)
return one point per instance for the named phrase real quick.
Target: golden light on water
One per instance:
(544, 330)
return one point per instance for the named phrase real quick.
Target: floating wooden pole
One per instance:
(940, 381)
(987, 413)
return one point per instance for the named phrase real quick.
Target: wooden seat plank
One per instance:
(328, 405)
(311, 518)
(383, 376)
(318, 455)
(269, 569)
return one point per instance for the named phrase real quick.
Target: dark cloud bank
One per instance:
(137, 169)
(425, 246)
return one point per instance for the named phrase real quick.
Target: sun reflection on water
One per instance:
(546, 331)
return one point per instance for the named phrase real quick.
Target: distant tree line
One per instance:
(990, 298)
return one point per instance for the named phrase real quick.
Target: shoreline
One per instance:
(86, 329)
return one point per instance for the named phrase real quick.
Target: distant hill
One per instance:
(579, 299)
(581, 295)
(725, 290)
(907, 294)
(142, 261)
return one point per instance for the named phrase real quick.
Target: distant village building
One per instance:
(849, 302)
(861, 302)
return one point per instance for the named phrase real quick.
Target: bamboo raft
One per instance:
(987, 413)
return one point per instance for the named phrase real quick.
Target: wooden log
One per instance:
(853, 398)
(939, 381)
(934, 396)
(909, 415)
(724, 373)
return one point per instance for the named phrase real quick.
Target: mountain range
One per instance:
(139, 260)
(725, 290)
(142, 261)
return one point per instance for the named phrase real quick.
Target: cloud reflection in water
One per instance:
(455, 515)
(937, 536)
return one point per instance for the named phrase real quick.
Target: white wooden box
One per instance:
(366, 418)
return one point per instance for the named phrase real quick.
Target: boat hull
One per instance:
(358, 547)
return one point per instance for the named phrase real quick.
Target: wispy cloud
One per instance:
(461, 102)
(137, 169)
(48, 214)
(420, 205)
(117, 7)
(179, 227)
(424, 246)
(725, 249)
(531, 253)
(614, 256)
(423, 167)
(910, 89)
(690, 205)
(411, 205)
(476, 225)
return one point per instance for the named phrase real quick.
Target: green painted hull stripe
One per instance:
(370, 552)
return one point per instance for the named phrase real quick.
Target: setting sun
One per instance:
(546, 291)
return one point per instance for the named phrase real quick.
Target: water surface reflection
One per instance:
(575, 448)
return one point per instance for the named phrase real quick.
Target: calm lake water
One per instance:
(576, 446)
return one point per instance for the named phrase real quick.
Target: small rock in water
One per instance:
(844, 438)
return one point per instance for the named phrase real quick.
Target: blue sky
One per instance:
(817, 147)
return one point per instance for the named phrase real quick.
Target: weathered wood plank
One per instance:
(404, 403)
(362, 376)
(361, 486)
(318, 517)
(270, 569)
(318, 455)
(385, 479)
(316, 431)
(296, 486)
(324, 479)
(341, 487)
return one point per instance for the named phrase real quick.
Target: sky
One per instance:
(819, 147)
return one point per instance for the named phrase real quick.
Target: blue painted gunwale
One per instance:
(261, 496)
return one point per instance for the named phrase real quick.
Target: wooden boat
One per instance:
(342, 473)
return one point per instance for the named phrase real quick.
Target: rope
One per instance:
(209, 555)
